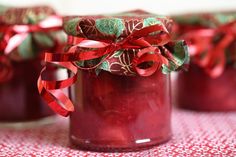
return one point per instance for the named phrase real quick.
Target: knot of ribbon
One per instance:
(149, 41)
(14, 35)
(207, 50)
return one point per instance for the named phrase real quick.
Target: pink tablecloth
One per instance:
(194, 134)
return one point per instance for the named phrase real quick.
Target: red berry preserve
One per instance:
(115, 112)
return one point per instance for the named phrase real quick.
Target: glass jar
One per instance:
(197, 91)
(19, 97)
(114, 112)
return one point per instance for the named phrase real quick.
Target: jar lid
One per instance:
(212, 20)
(24, 15)
(112, 26)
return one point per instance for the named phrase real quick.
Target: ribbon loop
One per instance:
(153, 59)
(52, 93)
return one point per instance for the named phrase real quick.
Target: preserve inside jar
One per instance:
(19, 97)
(114, 112)
(198, 91)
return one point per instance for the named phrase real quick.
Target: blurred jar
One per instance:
(25, 33)
(210, 83)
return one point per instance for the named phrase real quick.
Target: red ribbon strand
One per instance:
(146, 40)
(207, 54)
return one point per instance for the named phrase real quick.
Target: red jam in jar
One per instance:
(114, 112)
(19, 97)
(198, 91)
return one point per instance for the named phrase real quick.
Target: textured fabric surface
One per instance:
(113, 26)
(194, 134)
(210, 20)
(27, 15)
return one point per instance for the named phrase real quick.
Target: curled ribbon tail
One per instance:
(52, 92)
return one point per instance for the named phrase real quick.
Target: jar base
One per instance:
(29, 124)
(135, 146)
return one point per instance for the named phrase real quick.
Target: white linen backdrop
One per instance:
(110, 6)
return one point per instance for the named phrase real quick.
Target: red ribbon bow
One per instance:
(148, 39)
(207, 54)
(14, 35)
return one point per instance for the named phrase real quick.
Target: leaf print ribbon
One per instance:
(150, 41)
(14, 35)
(208, 53)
